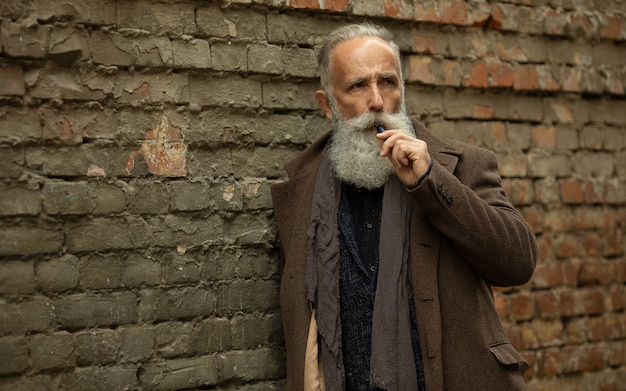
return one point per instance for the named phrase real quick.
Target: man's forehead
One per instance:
(356, 45)
(364, 52)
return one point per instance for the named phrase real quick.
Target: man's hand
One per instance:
(408, 155)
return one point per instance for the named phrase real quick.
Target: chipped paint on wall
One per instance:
(163, 150)
(95, 171)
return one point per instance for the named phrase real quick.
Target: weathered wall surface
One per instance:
(138, 141)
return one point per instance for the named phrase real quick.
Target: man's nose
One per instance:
(375, 100)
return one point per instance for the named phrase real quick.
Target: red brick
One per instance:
(419, 70)
(592, 302)
(336, 5)
(519, 192)
(526, 78)
(426, 13)
(540, 333)
(571, 192)
(311, 4)
(508, 52)
(571, 271)
(615, 191)
(399, 9)
(528, 337)
(612, 244)
(515, 164)
(454, 12)
(497, 18)
(543, 136)
(580, 22)
(483, 111)
(547, 191)
(618, 327)
(597, 328)
(617, 299)
(521, 306)
(549, 361)
(533, 217)
(568, 305)
(593, 359)
(607, 327)
(595, 272)
(547, 81)
(592, 195)
(501, 306)
(612, 28)
(568, 246)
(547, 304)
(545, 244)
(555, 22)
(572, 80)
(591, 244)
(514, 334)
(452, 73)
(563, 111)
(498, 132)
(620, 271)
(481, 44)
(424, 44)
(576, 331)
(608, 220)
(478, 76)
(558, 221)
(548, 275)
(615, 357)
(621, 213)
(614, 84)
(480, 14)
(582, 358)
(501, 74)
(591, 219)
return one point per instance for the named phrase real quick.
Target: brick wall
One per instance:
(139, 140)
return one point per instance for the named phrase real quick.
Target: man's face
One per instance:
(366, 92)
(365, 78)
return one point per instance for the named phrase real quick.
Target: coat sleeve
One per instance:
(469, 206)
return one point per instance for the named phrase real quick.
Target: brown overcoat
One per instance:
(465, 236)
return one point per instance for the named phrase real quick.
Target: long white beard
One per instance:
(354, 149)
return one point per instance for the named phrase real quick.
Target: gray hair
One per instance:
(347, 33)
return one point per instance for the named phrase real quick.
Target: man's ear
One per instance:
(324, 103)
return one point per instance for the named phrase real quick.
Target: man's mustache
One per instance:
(369, 121)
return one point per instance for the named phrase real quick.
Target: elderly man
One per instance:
(391, 239)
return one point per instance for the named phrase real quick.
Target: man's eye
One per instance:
(389, 82)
